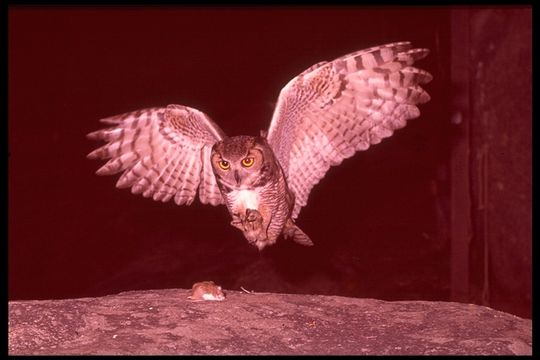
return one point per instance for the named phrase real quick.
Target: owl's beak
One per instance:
(237, 177)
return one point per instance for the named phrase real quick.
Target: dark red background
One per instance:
(375, 219)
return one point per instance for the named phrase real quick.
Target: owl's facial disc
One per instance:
(236, 161)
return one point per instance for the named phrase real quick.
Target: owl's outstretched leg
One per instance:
(290, 230)
(251, 221)
(251, 225)
(237, 222)
(254, 230)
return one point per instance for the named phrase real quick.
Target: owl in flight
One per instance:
(322, 116)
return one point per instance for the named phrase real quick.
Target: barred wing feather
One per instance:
(333, 109)
(164, 153)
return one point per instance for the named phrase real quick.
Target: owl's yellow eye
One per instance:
(248, 162)
(224, 165)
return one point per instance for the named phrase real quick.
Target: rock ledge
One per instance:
(165, 322)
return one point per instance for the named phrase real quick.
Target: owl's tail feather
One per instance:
(292, 231)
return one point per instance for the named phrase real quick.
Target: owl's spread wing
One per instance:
(333, 109)
(163, 152)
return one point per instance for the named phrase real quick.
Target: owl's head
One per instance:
(242, 162)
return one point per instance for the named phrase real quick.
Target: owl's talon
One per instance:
(253, 221)
(237, 223)
(253, 215)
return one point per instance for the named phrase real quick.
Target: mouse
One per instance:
(206, 290)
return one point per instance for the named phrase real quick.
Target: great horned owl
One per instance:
(322, 116)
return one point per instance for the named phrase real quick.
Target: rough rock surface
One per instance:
(165, 322)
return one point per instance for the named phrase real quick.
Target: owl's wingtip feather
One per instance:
(96, 154)
(94, 135)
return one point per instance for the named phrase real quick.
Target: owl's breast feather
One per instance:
(244, 199)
